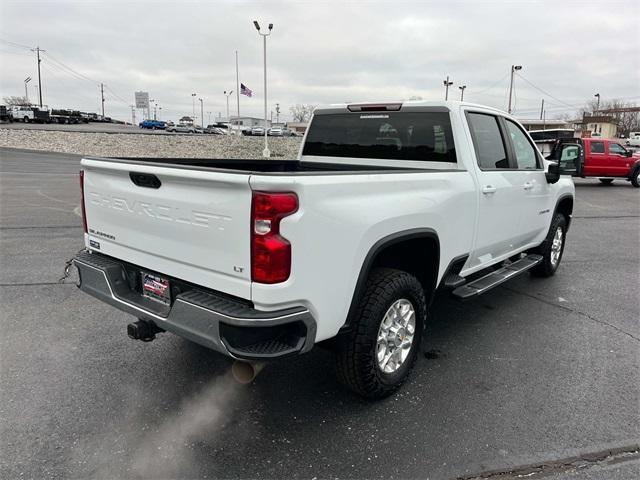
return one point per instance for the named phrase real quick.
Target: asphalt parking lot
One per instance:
(536, 374)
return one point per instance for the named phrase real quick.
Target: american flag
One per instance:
(244, 90)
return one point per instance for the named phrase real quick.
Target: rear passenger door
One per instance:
(500, 191)
(596, 163)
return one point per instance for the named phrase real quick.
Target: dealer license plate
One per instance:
(156, 287)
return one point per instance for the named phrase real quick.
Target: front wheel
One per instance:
(606, 181)
(378, 353)
(552, 248)
(635, 178)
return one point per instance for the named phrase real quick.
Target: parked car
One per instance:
(598, 157)
(634, 139)
(182, 128)
(263, 259)
(257, 131)
(153, 124)
(275, 132)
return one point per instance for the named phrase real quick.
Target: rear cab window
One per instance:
(387, 135)
(488, 142)
(596, 147)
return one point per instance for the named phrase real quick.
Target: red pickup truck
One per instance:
(598, 157)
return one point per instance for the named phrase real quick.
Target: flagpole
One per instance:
(237, 91)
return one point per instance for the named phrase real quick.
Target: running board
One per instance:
(482, 285)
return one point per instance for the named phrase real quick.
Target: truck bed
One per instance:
(249, 166)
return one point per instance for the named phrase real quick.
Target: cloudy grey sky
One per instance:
(321, 52)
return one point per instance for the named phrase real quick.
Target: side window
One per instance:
(596, 147)
(488, 141)
(617, 149)
(526, 157)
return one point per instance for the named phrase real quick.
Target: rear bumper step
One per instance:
(486, 283)
(228, 326)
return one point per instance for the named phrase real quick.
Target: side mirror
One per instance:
(628, 153)
(553, 173)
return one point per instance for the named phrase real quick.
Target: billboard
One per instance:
(142, 99)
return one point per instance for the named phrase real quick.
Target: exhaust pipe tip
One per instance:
(245, 372)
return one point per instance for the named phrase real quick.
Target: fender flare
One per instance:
(633, 171)
(376, 248)
(561, 198)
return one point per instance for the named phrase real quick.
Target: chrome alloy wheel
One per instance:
(395, 335)
(556, 246)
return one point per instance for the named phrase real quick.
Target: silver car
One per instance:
(257, 131)
(182, 128)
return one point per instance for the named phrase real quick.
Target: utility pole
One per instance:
(209, 115)
(597, 95)
(38, 50)
(462, 92)
(447, 84)
(542, 109)
(102, 96)
(277, 113)
(193, 98)
(265, 153)
(201, 113)
(514, 68)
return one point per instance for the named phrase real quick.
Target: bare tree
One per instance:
(301, 112)
(16, 101)
(627, 121)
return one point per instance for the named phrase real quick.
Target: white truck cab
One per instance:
(387, 203)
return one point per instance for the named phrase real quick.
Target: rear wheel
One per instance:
(376, 356)
(552, 248)
(606, 181)
(26, 119)
(635, 178)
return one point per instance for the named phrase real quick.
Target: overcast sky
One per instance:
(321, 52)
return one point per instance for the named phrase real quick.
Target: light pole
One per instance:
(193, 98)
(155, 111)
(26, 92)
(201, 113)
(209, 115)
(597, 95)
(462, 92)
(159, 113)
(277, 113)
(447, 84)
(265, 153)
(514, 68)
(133, 115)
(228, 94)
(149, 109)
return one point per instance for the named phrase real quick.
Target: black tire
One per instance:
(606, 181)
(356, 362)
(547, 268)
(635, 178)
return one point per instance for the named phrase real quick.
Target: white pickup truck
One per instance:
(262, 259)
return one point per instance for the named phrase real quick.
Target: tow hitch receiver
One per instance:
(143, 330)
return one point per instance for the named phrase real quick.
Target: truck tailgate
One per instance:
(193, 226)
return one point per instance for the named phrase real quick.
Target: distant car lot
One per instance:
(535, 371)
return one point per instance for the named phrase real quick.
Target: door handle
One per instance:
(488, 189)
(528, 186)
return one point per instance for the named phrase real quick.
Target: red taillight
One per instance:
(270, 252)
(84, 213)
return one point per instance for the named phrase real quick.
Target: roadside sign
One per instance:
(142, 99)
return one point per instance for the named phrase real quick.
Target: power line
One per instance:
(492, 86)
(542, 91)
(14, 44)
